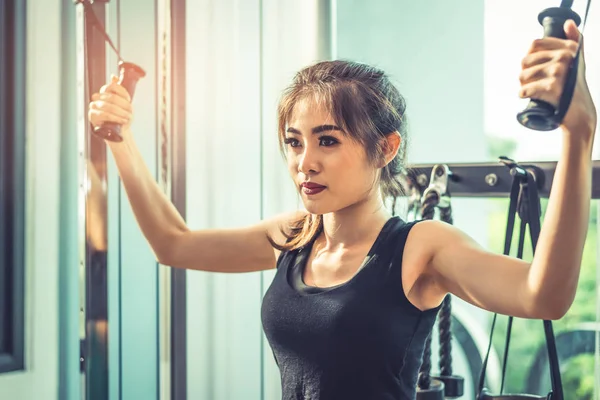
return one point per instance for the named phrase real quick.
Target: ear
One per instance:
(391, 145)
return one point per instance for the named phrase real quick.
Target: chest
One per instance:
(324, 270)
(321, 271)
(354, 315)
(362, 301)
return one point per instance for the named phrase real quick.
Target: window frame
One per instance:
(12, 185)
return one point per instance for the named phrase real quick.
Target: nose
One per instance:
(308, 163)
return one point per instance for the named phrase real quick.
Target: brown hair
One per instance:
(367, 106)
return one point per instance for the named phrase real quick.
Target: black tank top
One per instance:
(362, 339)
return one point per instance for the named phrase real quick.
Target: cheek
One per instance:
(292, 163)
(355, 172)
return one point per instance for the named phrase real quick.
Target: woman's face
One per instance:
(330, 170)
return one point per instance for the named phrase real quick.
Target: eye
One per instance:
(328, 141)
(292, 142)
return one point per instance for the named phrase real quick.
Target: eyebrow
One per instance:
(317, 129)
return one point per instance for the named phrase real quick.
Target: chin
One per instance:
(315, 207)
(320, 207)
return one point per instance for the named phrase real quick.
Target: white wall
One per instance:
(223, 190)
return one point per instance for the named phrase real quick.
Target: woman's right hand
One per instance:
(111, 104)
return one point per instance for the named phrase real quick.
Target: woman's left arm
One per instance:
(544, 288)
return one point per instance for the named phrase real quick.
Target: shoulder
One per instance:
(279, 227)
(282, 223)
(426, 238)
(418, 239)
(427, 235)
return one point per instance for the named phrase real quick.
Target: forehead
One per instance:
(310, 111)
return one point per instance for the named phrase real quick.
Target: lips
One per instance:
(312, 186)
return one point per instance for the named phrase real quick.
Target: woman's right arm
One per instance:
(174, 244)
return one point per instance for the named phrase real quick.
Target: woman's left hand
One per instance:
(543, 75)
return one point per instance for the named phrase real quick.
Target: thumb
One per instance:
(572, 32)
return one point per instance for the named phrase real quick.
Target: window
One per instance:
(12, 184)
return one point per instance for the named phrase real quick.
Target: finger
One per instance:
(538, 72)
(540, 57)
(116, 100)
(95, 96)
(576, 36)
(549, 43)
(115, 88)
(98, 118)
(110, 108)
(571, 31)
(564, 55)
(556, 70)
(547, 89)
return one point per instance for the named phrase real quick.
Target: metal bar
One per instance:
(163, 140)
(94, 282)
(13, 31)
(178, 195)
(494, 179)
(69, 252)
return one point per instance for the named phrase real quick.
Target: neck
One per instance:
(351, 225)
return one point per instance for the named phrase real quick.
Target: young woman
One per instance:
(356, 290)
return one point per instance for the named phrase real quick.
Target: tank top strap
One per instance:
(391, 255)
(283, 256)
(392, 248)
